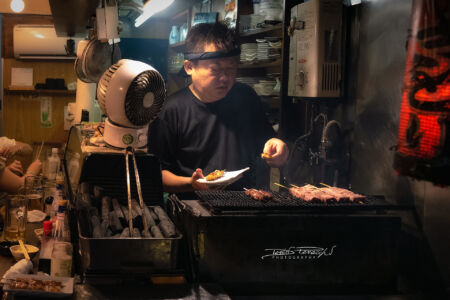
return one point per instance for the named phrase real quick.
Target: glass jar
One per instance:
(174, 36)
(49, 192)
(61, 260)
(16, 217)
(34, 191)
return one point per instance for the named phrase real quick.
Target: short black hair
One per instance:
(219, 34)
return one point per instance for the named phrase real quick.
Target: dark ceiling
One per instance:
(72, 17)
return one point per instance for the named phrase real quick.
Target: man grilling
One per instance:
(215, 123)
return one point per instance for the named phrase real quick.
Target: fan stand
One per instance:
(123, 137)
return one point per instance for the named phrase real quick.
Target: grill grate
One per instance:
(221, 201)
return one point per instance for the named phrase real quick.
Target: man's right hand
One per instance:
(34, 168)
(198, 173)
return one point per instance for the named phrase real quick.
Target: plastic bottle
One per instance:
(53, 164)
(73, 167)
(56, 198)
(59, 229)
(174, 36)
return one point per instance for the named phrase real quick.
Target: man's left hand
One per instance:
(276, 151)
(7, 151)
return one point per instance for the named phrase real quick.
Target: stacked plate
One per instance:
(248, 52)
(266, 87)
(274, 47)
(247, 80)
(271, 9)
(263, 49)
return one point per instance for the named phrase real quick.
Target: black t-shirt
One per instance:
(226, 134)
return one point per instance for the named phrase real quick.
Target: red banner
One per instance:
(423, 141)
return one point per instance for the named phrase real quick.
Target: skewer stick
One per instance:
(326, 185)
(283, 186)
(24, 250)
(40, 149)
(296, 186)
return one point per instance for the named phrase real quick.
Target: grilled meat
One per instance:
(259, 195)
(352, 197)
(214, 175)
(311, 193)
(302, 192)
(266, 155)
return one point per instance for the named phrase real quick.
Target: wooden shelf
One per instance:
(261, 64)
(260, 30)
(40, 92)
(177, 46)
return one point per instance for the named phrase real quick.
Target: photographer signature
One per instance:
(299, 252)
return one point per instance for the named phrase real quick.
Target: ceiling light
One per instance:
(150, 8)
(17, 5)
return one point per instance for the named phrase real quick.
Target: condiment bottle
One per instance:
(47, 228)
(61, 261)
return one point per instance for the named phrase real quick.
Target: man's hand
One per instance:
(34, 168)
(276, 151)
(16, 167)
(195, 184)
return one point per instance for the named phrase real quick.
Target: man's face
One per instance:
(212, 79)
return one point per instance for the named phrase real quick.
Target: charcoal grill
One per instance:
(222, 202)
(125, 257)
(252, 247)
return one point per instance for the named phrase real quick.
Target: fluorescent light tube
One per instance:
(150, 8)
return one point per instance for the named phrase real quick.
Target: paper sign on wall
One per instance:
(22, 77)
(46, 112)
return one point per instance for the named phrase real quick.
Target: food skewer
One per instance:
(326, 185)
(280, 185)
(25, 252)
(39, 152)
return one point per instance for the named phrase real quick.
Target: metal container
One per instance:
(124, 255)
(105, 167)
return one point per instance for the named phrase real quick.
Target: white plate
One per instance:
(66, 290)
(227, 178)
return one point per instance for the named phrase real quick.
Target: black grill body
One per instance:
(290, 251)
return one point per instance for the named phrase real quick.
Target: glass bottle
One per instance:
(61, 260)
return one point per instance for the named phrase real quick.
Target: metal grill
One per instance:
(222, 201)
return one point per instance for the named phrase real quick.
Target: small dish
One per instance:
(65, 282)
(17, 253)
(228, 178)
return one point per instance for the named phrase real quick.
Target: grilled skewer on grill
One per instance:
(311, 193)
(259, 195)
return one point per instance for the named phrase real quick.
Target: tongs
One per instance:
(139, 190)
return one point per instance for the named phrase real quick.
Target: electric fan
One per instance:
(131, 94)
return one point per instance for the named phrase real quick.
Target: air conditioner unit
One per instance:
(41, 42)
